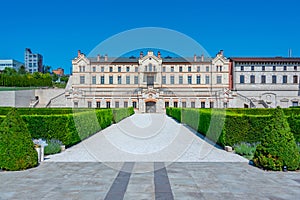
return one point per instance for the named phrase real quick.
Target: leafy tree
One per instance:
(54, 77)
(278, 147)
(16, 147)
(22, 70)
(46, 69)
(64, 79)
(9, 71)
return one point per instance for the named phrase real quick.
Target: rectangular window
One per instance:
(83, 68)
(166, 104)
(94, 69)
(192, 104)
(198, 69)
(220, 68)
(284, 79)
(242, 68)
(94, 80)
(136, 69)
(111, 80)
(119, 80)
(180, 80)
(189, 69)
(110, 69)
(198, 79)
(102, 79)
(119, 69)
(295, 79)
(219, 79)
(172, 79)
(102, 69)
(117, 104)
(263, 79)
(98, 104)
(89, 104)
(164, 69)
(180, 69)
(252, 79)
(202, 104)
(136, 80)
(242, 79)
(127, 79)
(127, 69)
(175, 104)
(108, 104)
(125, 104)
(206, 79)
(134, 104)
(172, 69)
(284, 68)
(184, 104)
(189, 79)
(163, 80)
(274, 68)
(295, 68)
(211, 104)
(263, 68)
(295, 103)
(274, 79)
(82, 79)
(252, 68)
(207, 68)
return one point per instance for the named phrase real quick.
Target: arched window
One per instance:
(150, 67)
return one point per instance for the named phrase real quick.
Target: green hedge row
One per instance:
(72, 128)
(229, 128)
(263, 111)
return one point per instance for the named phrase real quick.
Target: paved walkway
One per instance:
(146, 138)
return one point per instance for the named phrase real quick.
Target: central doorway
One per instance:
(150, 107)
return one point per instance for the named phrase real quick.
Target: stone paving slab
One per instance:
(195, 180)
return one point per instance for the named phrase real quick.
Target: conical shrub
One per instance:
(16, 147)
(278, 147)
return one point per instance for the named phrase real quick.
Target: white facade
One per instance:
(10, 63)
(33, 62)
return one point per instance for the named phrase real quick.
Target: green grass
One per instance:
(245, 149)
(17, 88)
(53, 147)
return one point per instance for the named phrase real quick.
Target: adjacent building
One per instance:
(11, 63)
(33, 62)
(59, 71)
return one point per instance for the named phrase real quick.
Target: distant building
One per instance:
(11, 63)
(33, 62)
(59, 71)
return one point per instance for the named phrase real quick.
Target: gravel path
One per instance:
(146, 138)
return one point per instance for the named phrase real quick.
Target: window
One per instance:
(82, 79)
(127, 79)
(211, 104)
(127, 69)
(164, 69)
(263, 68)
(108, 104)
(117, 104)
(192, 104)
(220, 68)
(219, 79)
(284, 79)
(119, 80)
(172, 69)
(163, 79)
(295, 68)
(295, 79)
(102, 69)
(172, 79)
(252, 68)
(93, 79)
(83, 68)
(184, 104)
(111, 80)
(175, 104)
(263, 79)
(198, 69)
(125, 104)
(202, 104)
(167, 104)
(180, 69)
(206, 79)
(198, 79)
(110, 69)
(75, 104)
(102, 79)
(136, 69)
(242, 68)
(134, 104)
(136, 80)
(119, 69)
(284, 68)
(180, 80)
(274, 79)
(189, 79)
(94, 69)
(89, 104)
(274, 68)
(295, 103)
(150, 67)
(189, 69)
(252, 79)
(242, 79)
(98, 104)
(207, 68)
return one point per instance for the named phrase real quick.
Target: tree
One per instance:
(278, 147)
(46, 69)
(16, 147)
(54, 77)
(64, 79)
(22, 70)
(9, 71)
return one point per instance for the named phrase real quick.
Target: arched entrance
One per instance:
(150, 107)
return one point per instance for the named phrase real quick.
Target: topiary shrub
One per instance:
(278, 147)
(16, 147)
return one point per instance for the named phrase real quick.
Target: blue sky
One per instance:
(58, 28)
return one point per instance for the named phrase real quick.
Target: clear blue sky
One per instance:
(58, 28)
